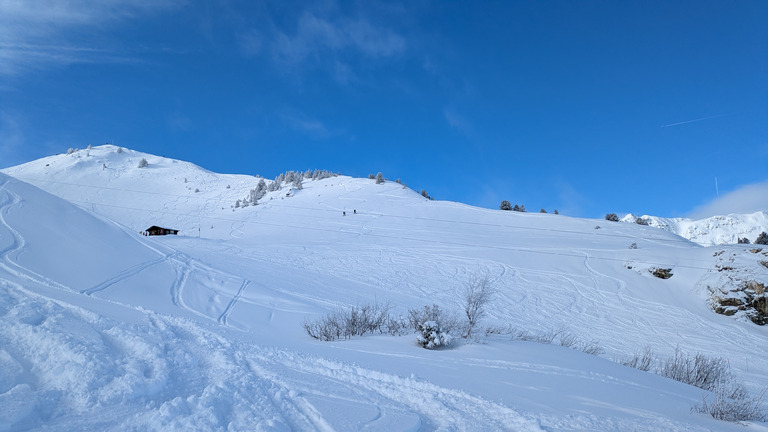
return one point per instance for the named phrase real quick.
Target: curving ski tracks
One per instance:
(225, 315)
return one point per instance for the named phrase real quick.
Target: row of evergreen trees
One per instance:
(293, 178)
(506, 205)
(761, 239)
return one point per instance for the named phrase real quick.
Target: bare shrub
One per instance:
(549, 336)
(327, 328)
(498, 330)
(356, 321)
(700, 371)
(397, 326)
(477, 293)
(568, 340)
(731, 402)
(642, 361)
(591, 348)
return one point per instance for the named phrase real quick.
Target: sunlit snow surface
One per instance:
(102, 328)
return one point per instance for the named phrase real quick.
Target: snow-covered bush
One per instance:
(431, 336)
(505, 205)
(379, 178)
(143, 163)
(613, 217)
(371, 176)
(448, 322)
(518, 208)
(731, 402)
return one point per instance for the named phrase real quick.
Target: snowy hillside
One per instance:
(102, 328)
(711, 231)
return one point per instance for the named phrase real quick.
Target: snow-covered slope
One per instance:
(104, 329)
(715, 230)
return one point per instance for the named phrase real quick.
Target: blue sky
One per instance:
(587, 107)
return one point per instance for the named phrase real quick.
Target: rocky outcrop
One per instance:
(740, 288)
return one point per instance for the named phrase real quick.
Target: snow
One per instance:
(102, 328)
(715, 230)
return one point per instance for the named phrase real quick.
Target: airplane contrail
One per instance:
(694, 120)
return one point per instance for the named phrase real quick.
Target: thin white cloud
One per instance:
(457, 121)
(318, 35)
(309, 126)
(36, 34)
(747, 199)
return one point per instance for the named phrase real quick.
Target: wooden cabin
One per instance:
(156, 230)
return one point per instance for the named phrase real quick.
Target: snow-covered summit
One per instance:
(715, 230)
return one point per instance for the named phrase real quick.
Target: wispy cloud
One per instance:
(36, 34)
(333, 42)
(457, 121)
(747, 199)
(306, 125)
(316, 35)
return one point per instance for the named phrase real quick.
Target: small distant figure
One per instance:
(355, 210)
(103, 167)
(344, 213)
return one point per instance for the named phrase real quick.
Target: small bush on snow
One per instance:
(700, 371)
(356, 321)
(445, 320)
(431, 336)
(731, 402)
(642, 361)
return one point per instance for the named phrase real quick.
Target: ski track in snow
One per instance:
(17, 243)
(132, 271)
(224, 315)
